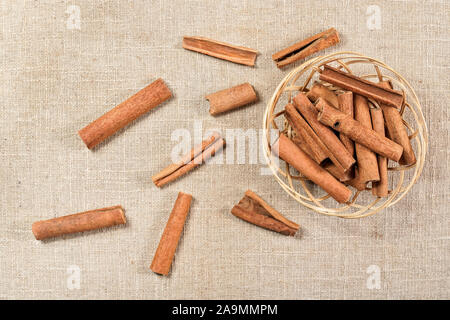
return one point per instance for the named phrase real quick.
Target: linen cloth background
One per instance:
(55, 80)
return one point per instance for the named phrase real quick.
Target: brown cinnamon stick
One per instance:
(318, 151)
(165, 252)
(221, 50)
(318, 90)
(198, 155)
(289, 152)
(307, 47)
(345, 103)
(232, 98)
(365, 158)
(255, 210)
(129, 110)
(79, 222)
(361, 86)
(357, 132)
(380, 188)
(367, 167)
(397, 130)
(338, 153)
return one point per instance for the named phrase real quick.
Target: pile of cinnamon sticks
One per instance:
(340, 140)
(134, 107)
(345, 136)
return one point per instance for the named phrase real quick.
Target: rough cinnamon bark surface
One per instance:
(255, 210)
(302, 145)
(365, 158)
(168, 244)
(357, 132)
(232, 98)
(221, 50)
(397, 130)
(345, 103)
(310, 141)
(361, 86)
(338, 153)
(198, 155)
(307, 47)
(129, 110)
(318, 90)
(79, 222)
(289, 152)
(380, 188)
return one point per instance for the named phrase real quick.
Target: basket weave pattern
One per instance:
(402, 178)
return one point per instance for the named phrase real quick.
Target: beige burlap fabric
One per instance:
(57, 77)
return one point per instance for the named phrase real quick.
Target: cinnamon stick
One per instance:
(289, 152)
(307, 47)
(255, 210)
(359, 133)
(318, 151)
(318, 90)
(221, 50)
(365, 158)
(345, 103)
(397, 130)
(168, 244)
(338, 153)
(198, 155)
(365, 171)
(232, 98)
(380, 188)
(129, 110)
(79, 222)
(361, 86)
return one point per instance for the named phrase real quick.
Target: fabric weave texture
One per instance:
(57, 78)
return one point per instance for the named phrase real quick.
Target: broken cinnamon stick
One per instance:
(318, 151)
(318, 90)
(198, 155)
(307, 47)
(232, 98)
(168, 244)
(380, 188)
(289, 152)
(361, 86)
(397, 130)
(129, 110)
(357, 132)
(221, 50)
(338, 154)
(255, 210)
(79, 222)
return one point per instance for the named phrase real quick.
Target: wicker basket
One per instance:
(363, 204)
